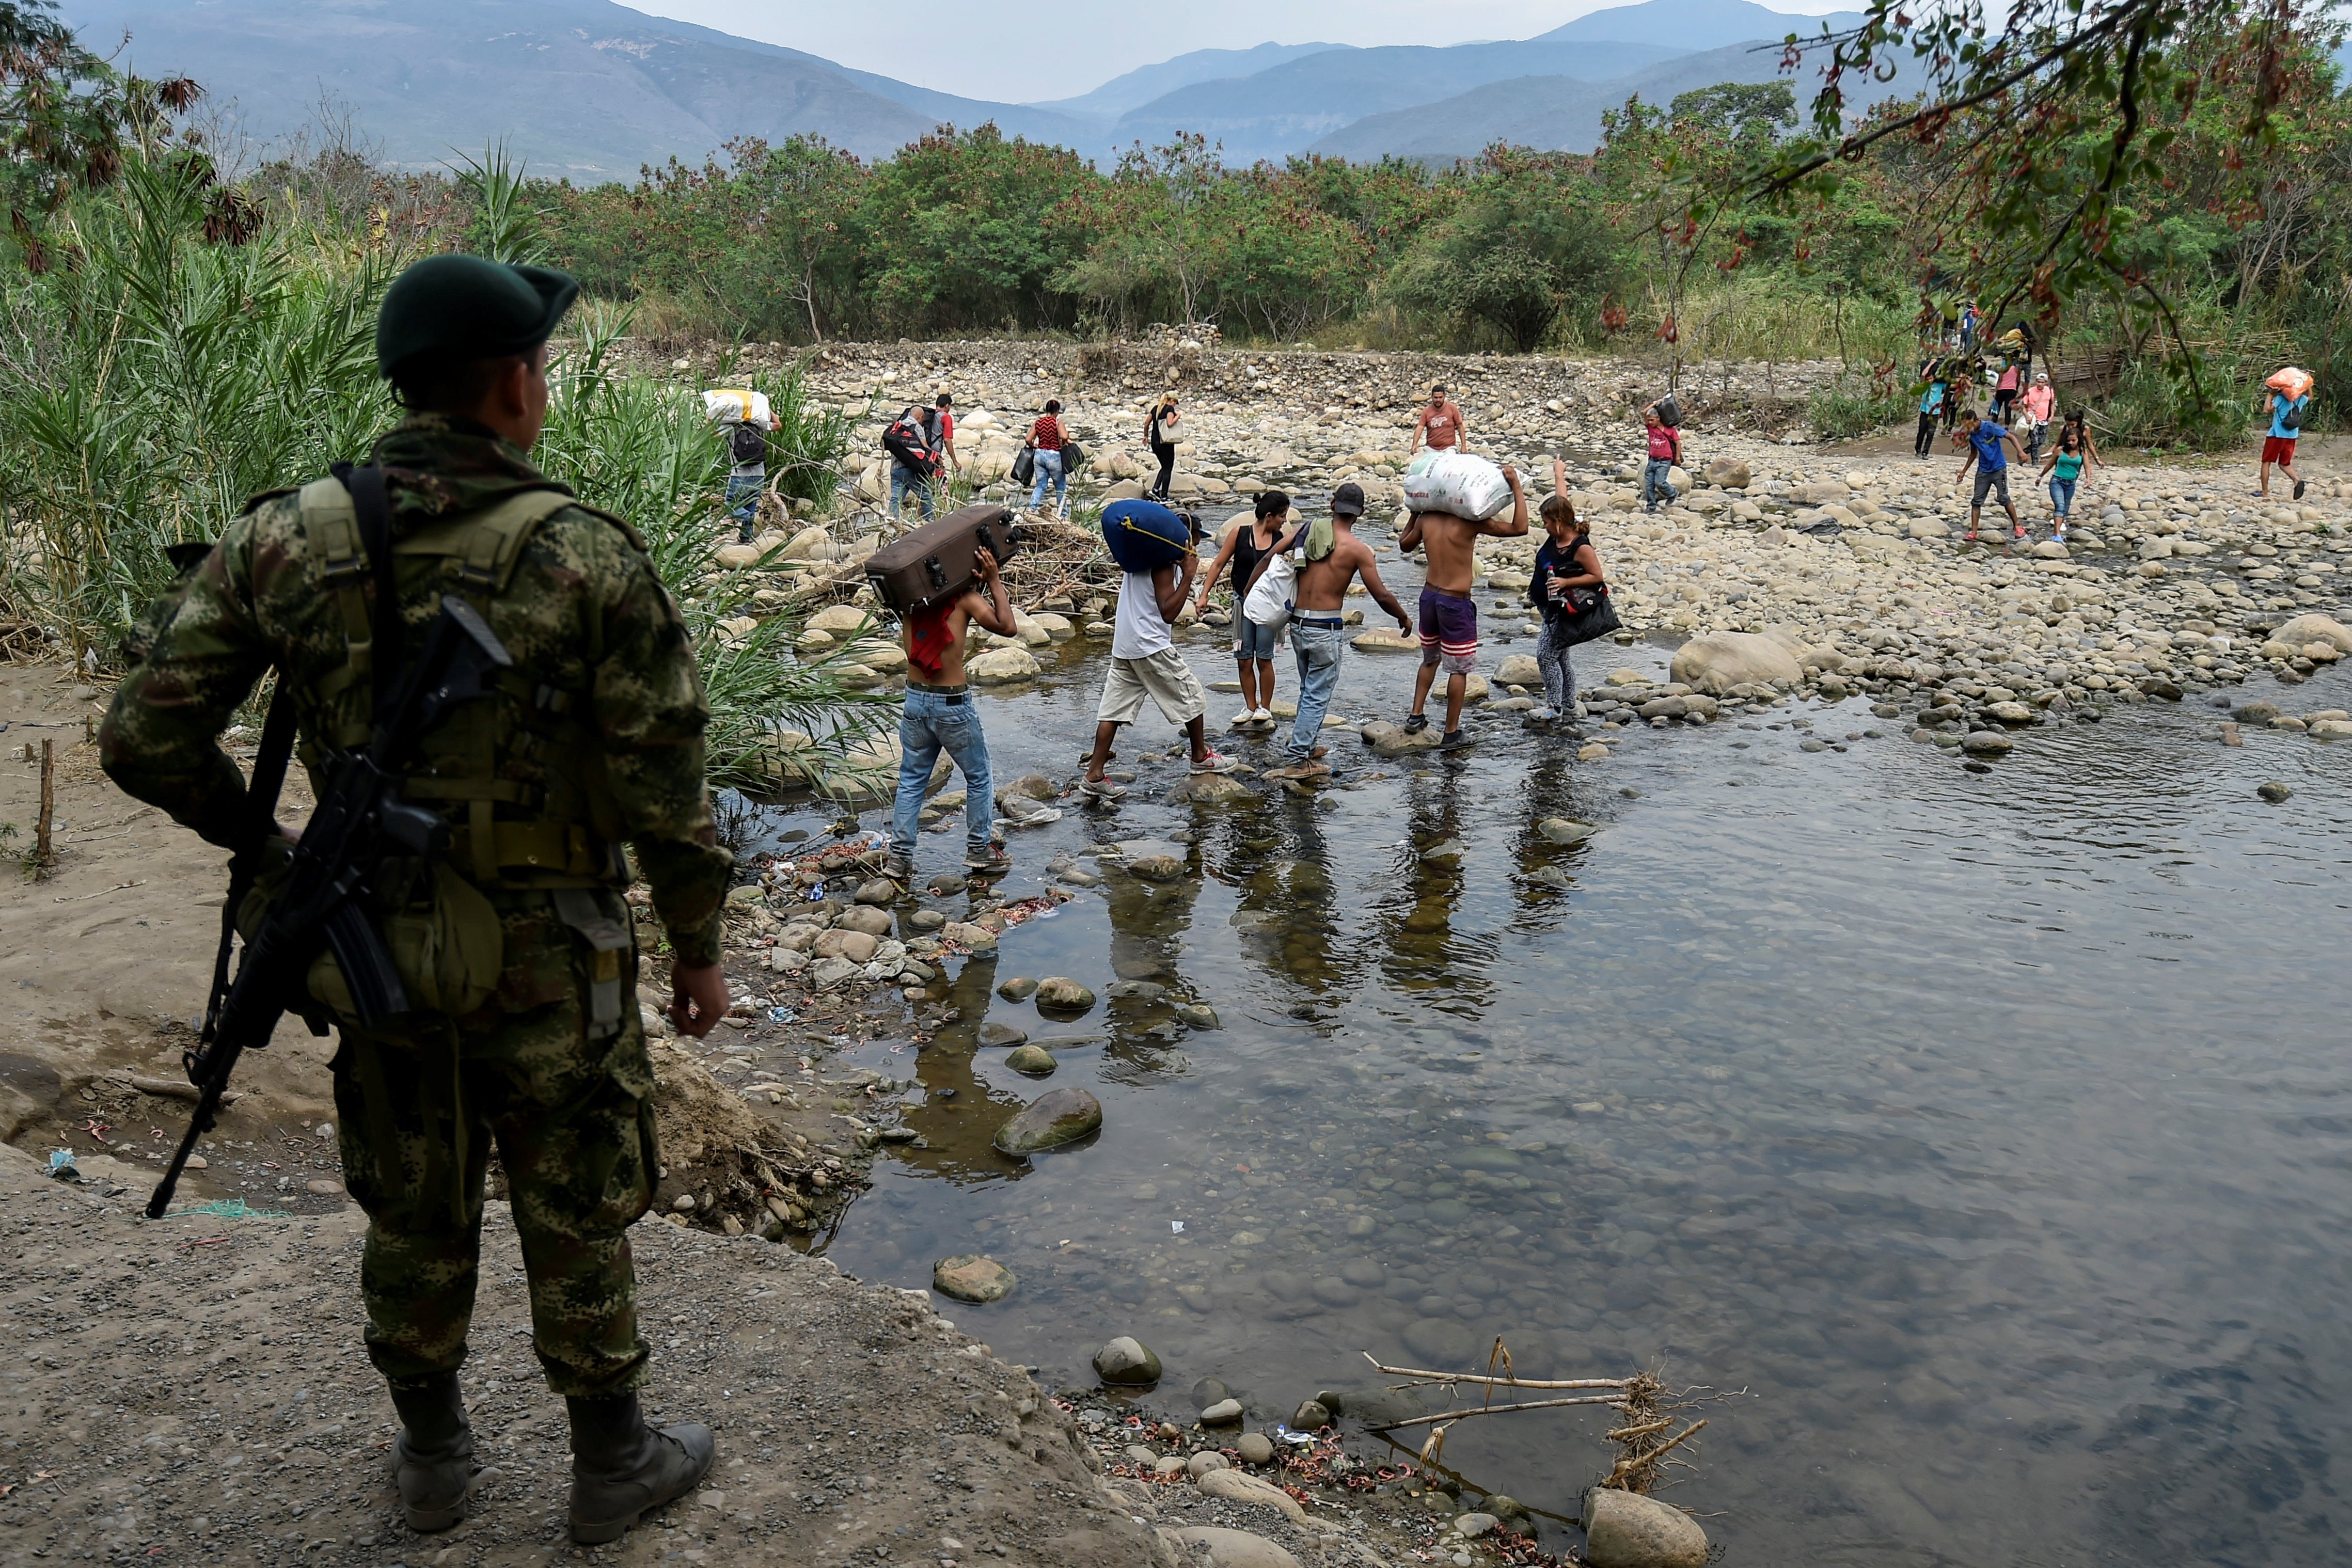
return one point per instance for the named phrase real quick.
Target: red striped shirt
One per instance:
(1046, 434)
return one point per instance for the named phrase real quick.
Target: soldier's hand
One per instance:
(698, 999)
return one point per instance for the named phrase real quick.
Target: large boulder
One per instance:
(1219, 1548)
(1388, 740)
(1719, 661)
(1520, 670)
(1061, 1117)
(2311, 628)
(839, 617)
(1000, 667)
(1127, 1362)
(1730, 473)
(972, 1278)
(1240, 1486)
(1622, 1529)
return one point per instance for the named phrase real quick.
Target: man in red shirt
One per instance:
(1665, 451)
(1439, 424)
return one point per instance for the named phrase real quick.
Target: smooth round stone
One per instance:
(1364, 1273)
(1987, 743)
(1199, 1015)
(925, 920)
(1035, 1060)
(1061, 1117)
(1439, 1342)
(1224, 1413)
(1019, 988)
(1333, 1292)
(1200, 1464)
(971, 1277)
(1622, 1531)
(1127, 1362)
(2273, 791)
(878, 889)
(1003, 1034)
(1210, 1391)
(1061, 995)
(1310, 1416)
(1254, 1447)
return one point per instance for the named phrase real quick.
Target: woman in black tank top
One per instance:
(1254, 646)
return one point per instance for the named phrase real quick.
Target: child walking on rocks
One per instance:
(1144, 662)
(2065, 468)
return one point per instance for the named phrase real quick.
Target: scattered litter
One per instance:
(1285, 1435)
(1176, 1228)
(102, 892)
(62, 1166)
(782, 1015)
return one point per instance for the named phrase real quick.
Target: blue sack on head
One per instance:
(1144, 536)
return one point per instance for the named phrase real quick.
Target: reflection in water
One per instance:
(1990, 1130)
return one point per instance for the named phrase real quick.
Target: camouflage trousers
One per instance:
(572, 1118)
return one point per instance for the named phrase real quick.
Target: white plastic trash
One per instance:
(730, 405)
(1457, 483)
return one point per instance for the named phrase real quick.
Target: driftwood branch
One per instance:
(1498, 1382)
(172, 1089)
(1497, 1410)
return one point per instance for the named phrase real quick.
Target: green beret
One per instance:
(469, 308)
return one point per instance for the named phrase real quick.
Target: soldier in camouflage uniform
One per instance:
(518, 941)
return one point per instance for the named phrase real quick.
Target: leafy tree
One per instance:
(970, 230)
(66, 117)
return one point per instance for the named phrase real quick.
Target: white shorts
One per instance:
(1164, 677)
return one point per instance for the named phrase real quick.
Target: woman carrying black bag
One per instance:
(1571, 591)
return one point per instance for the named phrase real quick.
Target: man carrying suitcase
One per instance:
(940, 717)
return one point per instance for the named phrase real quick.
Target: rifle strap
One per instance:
(373, 511)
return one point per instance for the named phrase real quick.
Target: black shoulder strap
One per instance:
(260, 820)
(373, 511)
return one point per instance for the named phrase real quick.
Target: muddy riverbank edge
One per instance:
(196, 1390)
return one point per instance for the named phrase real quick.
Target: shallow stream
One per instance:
(1993, 1132)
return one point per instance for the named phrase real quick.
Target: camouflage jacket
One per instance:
(583, 581)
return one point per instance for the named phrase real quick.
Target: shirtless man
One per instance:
(1319, 630)
(1449, 617)
(939, 717)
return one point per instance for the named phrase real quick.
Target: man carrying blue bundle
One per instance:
(1157, 576)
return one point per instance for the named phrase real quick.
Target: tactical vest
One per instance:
(521, 774)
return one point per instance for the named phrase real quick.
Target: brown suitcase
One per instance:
(935, 562)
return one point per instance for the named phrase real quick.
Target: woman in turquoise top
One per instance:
(2065, 467)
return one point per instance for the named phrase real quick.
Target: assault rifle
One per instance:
(360, 823)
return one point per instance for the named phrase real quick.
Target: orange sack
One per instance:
(2289, 382)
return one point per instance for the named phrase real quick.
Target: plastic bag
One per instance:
(2289, 382)
(735, 406)
(1457, 483)
(1271, 597)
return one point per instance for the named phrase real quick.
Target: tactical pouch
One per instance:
(608, 940)
(449, 948)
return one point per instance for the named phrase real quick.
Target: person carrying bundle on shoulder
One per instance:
(747, 474)
(939, 715)
(1331, 556)
(1145, 664)
(1449, 616)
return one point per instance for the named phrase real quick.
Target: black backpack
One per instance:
(910, 436)
(745, 443)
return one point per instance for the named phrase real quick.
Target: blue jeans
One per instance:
(2061, 496)
(743, 499)
(1316, 649)
(905, 481)
(1655, 487)
(1049, 469)
(929, 725)
(1551, 658)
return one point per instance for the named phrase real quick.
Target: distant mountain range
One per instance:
(591, 91)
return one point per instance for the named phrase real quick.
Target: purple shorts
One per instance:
(1449, 631)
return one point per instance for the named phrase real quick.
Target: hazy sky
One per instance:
(1027, 54)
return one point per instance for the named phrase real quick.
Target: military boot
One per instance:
(623, 1469)
(434, 1459)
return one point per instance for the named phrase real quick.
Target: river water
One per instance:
(1985, 1138)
